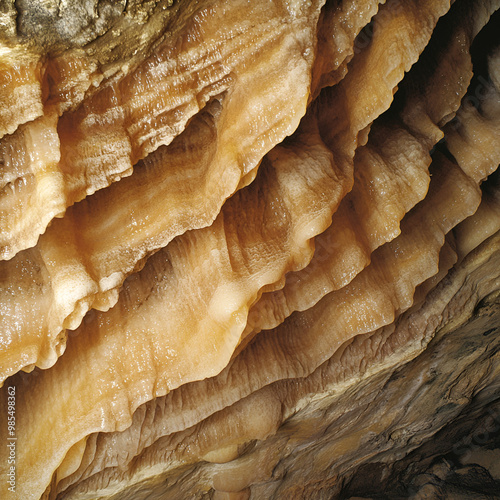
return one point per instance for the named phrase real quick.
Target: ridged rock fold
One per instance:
(249, 250)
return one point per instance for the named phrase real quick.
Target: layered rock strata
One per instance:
(249, 249)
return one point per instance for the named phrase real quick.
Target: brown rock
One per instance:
(250, 250)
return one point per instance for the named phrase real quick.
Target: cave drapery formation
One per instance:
(250, 249)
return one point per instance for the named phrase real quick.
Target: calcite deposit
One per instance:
(249, 250)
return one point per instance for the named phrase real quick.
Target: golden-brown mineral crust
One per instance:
(339, 25)
(371, 289)
(390, 173)
(250, 214)
(167, 416)
(87, 259)
(210, 49)
(55, 53)
(222, 310)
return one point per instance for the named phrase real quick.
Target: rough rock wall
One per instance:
(250, 249)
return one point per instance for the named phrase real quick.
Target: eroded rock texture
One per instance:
(249, 249)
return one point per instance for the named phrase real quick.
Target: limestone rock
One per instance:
(249, 249)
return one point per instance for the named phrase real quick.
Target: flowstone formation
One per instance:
(249, 250)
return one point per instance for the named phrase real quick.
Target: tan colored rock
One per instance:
(250, 250)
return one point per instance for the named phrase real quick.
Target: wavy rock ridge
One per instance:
(234, 235)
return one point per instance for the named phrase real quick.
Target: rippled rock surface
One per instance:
(249, 249)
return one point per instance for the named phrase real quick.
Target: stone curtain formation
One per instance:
(249, 250)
